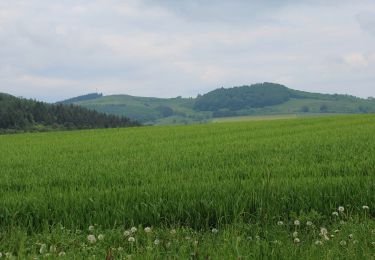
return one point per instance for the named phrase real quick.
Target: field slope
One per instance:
(213, 190)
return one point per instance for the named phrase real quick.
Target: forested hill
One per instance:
(18, 114)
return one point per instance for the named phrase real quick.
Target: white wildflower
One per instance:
(43, 249)
(120, 249)
(335, 213)
(365, 207)
(309, 223)
(127, 233)
(296, 240)
(341, 209)
(62, 253)
(91, 239)
(343, 243)
(148, 230)
(332, 236)
(100, 237)
(52, 249)
(318, 243)
(373, 243)
(280, 223)
(295, 234)
(156, 242)
(131, 239)
(214, 230)
(297, 222)
(350, 236)
(323, 231)
(336, 231)
(91, 228)
(133, 229)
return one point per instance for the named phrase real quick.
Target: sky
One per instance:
(53, 50)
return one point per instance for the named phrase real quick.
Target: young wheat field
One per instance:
(283, 189)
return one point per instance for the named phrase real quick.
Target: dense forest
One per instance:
(258, 95)
(90, 96)
(18, 114)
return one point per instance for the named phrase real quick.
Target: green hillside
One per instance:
(257, 99)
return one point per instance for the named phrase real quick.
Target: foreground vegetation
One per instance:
(296, 188)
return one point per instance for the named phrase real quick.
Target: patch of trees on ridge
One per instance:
(18, 114)
(254, 96)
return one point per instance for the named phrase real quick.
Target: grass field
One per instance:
(282, 189)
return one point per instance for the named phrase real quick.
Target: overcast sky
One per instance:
(52, 50)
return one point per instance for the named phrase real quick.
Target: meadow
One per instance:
(282, 189)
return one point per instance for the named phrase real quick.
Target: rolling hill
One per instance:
(257, 99)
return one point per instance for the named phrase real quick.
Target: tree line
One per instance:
(20, 114)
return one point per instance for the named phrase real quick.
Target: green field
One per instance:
(213, 191)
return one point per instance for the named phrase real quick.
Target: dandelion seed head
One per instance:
(343, 243)
(280, 223)
(365, 207)
(318, 243)
(156, 242)
(148, 230)
(297, 222)
(127, 233)
(341, 209)
(62, 253)
(350, 236)
(173, 231)
(131, 239)
(91, 239)
(335, 213)
(52, 249)
(120, 248)
(309, 223)
(323, 231)
(91, 228)
(100, 237)
(214, 230)
(296, 240)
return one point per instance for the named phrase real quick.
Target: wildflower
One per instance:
(91, 239)
(156, 242)
(120, 248)
(91, 228)
(52, 249)
(296, 240)
(280, 223)
(332, 236)
(62, 253)
(343, 243)
(131, 239)
(78, 231)
(335, 213)
(351, 236)
(148, 230)
(43, 249)
(341, 209)
(133, 229)
(309, 223)
(373, 243)
(100, 237)
(336, 231)
(295, 234)
(127, 233)
(323, 231)
(173, 231)
(365, 207)
(297, 222)
(318, 243)
(214, 230)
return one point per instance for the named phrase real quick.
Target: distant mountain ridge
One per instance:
(257, 99)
